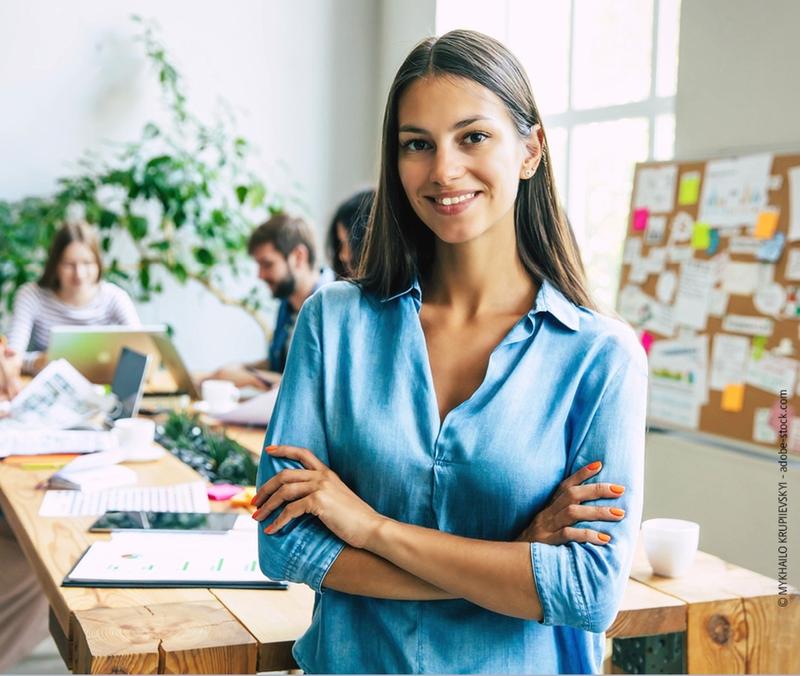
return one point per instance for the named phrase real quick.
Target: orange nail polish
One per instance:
(616, 488)
(617, 512)
(594, 465)
(603, 537)
(269, 449)
(268, 530)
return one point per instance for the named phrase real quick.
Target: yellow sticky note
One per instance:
(766, 224)
(701, 236)
(733, 398)
(689, 188)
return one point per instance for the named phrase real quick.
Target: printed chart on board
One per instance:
(710, 281)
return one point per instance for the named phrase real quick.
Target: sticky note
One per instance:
(770, 249)
(647, 341)
(689, 188)
(759, 344)
(766, 224)
(640, 217)
(223, 491)
(701, 236)
(733, 398)
(714, 242)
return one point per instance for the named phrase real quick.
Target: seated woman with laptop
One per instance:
(70, 291)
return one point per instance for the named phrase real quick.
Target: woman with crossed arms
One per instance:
(455, 460)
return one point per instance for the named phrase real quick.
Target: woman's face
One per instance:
(460, 157)
(77, 269)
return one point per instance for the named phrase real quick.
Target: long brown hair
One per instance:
(399, 246)
(66, 235)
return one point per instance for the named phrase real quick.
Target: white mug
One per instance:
(220, 395)
(135, 437)
(670, 545)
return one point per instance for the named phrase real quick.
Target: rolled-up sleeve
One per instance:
(304, 549)
(581, 585)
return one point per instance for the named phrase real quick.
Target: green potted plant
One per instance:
(182, 193)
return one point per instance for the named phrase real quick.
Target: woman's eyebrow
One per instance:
(458, 125)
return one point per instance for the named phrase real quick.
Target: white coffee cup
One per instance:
(135, 437)
(670, 545)
(220, 395)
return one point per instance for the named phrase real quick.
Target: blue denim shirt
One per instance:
(565, 387)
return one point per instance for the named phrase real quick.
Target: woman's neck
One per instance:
(482, 276)
(79, 297)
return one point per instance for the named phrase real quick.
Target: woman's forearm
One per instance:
(359, 572)
(495, 575)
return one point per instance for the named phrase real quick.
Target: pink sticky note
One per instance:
(640, 219)
(223, 491)
(647, 341)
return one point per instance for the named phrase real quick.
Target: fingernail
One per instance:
(603, 537)
(253, 501)
(594, 465)
(269, 449)
(253, 516)
(616, 488)
(268, 530)
(616, 511)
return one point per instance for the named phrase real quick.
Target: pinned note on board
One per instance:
(759, 343)
(689, 188)
(647, 341)
(640, 217)
(767, 223)
(733, 397)
(701, 236)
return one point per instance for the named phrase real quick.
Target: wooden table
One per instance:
(730, 615)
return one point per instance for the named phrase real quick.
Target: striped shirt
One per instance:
(38, 310)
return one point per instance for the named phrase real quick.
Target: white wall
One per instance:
(737, 91)
(300, 75)
(738, 83)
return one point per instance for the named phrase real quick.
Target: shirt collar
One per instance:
(549, 299)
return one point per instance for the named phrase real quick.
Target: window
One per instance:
(603, 74)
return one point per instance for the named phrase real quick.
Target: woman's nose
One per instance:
(447, 166)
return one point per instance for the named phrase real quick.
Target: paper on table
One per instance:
(181, 559)
(655, 188)
(16, 441)
(735, 190)
(255, 411)
(186, 497)
(57, 398)
(728, 360)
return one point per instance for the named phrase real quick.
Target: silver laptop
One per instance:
(95, 351)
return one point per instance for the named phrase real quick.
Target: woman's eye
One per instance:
(475, 137)
(414, 145)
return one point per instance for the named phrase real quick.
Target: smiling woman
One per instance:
(459, 430)
(70, 291)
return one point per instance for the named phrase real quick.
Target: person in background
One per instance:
(71, 290)
(284, 248)
(346, 233)
(455, 463)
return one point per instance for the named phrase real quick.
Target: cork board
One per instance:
(710, 281)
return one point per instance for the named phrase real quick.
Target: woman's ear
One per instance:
(533, 145)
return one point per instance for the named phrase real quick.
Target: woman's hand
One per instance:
(553, 525)
(316, 490)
